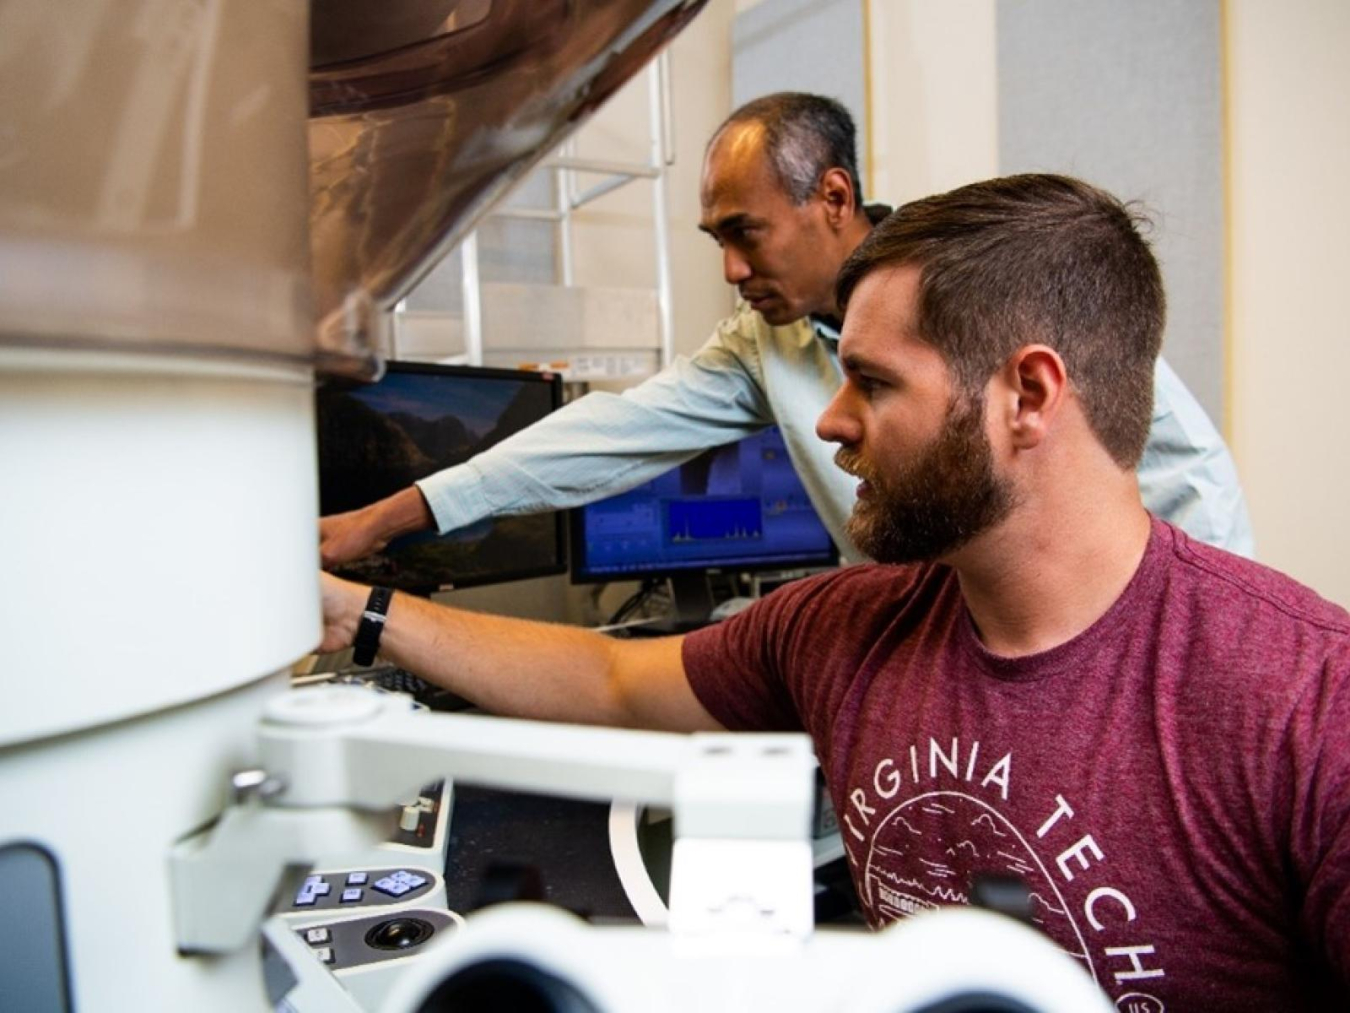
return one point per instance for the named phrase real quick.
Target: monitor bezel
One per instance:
(581, 575)
(562, 564)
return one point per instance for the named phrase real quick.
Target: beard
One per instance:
(935, 503)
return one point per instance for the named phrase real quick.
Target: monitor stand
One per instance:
(691, 600)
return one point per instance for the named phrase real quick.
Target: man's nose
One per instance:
(838, 423)
(735, 268)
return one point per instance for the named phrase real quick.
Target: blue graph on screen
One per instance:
(692, 520)
(740, 505)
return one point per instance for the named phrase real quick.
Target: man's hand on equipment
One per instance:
(343, 602)
(346, 537)
(519, 668)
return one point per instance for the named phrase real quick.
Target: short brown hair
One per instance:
(1034, 258)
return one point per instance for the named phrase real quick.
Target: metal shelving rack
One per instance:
(567, 170)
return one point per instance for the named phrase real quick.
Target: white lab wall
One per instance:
(614, 243)
(933, 99)
(1288, 95)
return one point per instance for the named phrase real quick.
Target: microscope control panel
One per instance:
(347, 943)
(357, 888)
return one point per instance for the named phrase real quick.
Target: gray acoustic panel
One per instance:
(803, 45)
(1128, 95)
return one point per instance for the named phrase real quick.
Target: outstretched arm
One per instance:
(597, 446)
(527, 669)
(604, 444)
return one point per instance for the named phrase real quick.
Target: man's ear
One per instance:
(1037, 386)
(836, 191)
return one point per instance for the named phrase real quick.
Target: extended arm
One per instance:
(604, 444)
(527, 669)
(598, 446)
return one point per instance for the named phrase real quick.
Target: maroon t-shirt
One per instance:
(1173, 784)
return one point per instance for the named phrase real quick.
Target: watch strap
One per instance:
(367, 641)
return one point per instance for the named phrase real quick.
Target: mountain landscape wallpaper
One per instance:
(380, 438)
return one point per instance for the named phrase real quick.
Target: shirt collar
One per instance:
(826, 330)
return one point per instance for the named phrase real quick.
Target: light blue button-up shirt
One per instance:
(750, 375)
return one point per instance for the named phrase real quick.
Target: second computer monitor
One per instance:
(739, 507)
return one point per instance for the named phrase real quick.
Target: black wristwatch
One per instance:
(372, 625)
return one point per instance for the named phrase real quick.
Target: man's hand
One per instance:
(343, 603)
(349, 536)
(355, 534)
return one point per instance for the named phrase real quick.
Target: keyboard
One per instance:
(400, 680)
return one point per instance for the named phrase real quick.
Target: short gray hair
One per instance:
(805, 136)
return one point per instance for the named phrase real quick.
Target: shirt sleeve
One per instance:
(772, 668)
(733, 668)
(1187, 476)
(604, 444)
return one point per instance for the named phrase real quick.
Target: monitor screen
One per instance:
(736, 507)
(375, 439)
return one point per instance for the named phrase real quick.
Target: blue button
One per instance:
(304, 899)
(321, 889)
(401, 876)
(352, 894)
(313, 880)
(415, 881)
(356, 878)
(392, 887)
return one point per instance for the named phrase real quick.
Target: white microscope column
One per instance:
(157, 496)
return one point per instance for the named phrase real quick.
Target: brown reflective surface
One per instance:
(153, 176)
(157, 192)
(409, 145)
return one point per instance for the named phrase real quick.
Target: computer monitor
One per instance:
(375, 439)
(739, 507)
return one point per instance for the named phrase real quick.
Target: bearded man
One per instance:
(1038, 676)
